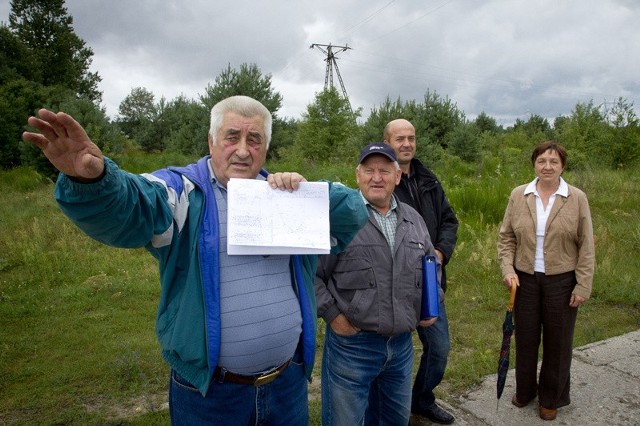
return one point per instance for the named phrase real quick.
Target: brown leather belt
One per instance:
(224, 376)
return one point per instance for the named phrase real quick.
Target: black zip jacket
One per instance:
(422, 191)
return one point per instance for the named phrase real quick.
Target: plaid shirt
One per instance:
(388, 223)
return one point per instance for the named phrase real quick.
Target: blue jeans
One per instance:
(366, 379)
(281, 402)
(435, 351)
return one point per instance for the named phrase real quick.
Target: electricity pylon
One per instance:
(327, 49)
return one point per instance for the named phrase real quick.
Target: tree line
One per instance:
(43, 63)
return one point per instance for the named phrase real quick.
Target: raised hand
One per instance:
(66, 144)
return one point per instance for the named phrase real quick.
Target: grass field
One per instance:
(77, 340)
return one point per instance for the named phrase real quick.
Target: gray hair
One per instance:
(241, 105)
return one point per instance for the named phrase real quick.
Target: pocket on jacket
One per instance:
(414, 252)
(354, 274)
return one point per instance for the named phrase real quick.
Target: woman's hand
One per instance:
(506, 281)
(576, 301)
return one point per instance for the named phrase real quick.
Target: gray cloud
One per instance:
(509, 59)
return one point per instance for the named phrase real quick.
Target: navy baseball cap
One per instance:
(377, 148)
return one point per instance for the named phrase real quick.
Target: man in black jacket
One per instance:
(420, 188)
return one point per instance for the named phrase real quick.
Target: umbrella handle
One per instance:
(512, 299)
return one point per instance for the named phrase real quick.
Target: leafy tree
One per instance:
(136, 107)
(622, 114)
(485, 123)
(63, 59)
(187, 124)
(623, 144)
(328, 131)
(559, 123)
(137, 116)
(464, 142)
(42, 62)
(19, 95)
(388, 111)
(379, 117)
(19, 99)
(536, 127)
(16, 61)
(283, 138)
(433, 120)
(437, 117)
(583, 134)
(247, 81)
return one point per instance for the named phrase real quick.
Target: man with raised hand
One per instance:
(237, 331)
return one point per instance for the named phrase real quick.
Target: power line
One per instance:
(370, 17)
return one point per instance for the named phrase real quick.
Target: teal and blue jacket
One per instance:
(173, 214)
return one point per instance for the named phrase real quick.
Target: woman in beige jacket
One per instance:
(546, 248)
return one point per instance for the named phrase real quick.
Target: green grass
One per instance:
(77, 319)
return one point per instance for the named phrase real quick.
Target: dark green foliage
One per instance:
(247, 81)
(16, 97)
(283, 136)
(19, 99)
(182, 125)
(437, 117)
(185, 124)
(328, 131)
(136, 109)
(16, 60)
(535, 126)
(61, 57)
(623, 140)
(42, 64)
(464, 142)
(434, 120)
(582, 133)
(380, 116)
(139, 120)
(485, 123)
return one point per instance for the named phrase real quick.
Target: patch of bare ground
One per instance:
(133, 407)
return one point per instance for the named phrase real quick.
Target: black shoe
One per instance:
(435, 414)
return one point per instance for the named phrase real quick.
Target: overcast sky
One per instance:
(508, 58)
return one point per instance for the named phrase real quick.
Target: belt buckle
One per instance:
(266, 378)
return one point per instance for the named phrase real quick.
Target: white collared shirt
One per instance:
(542, 215)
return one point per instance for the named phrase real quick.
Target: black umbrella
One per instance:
(507, 331)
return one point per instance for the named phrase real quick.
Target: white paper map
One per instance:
(262, 220)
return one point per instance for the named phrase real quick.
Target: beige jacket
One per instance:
(568, 241)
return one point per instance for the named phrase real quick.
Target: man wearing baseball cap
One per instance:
(370, 296)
